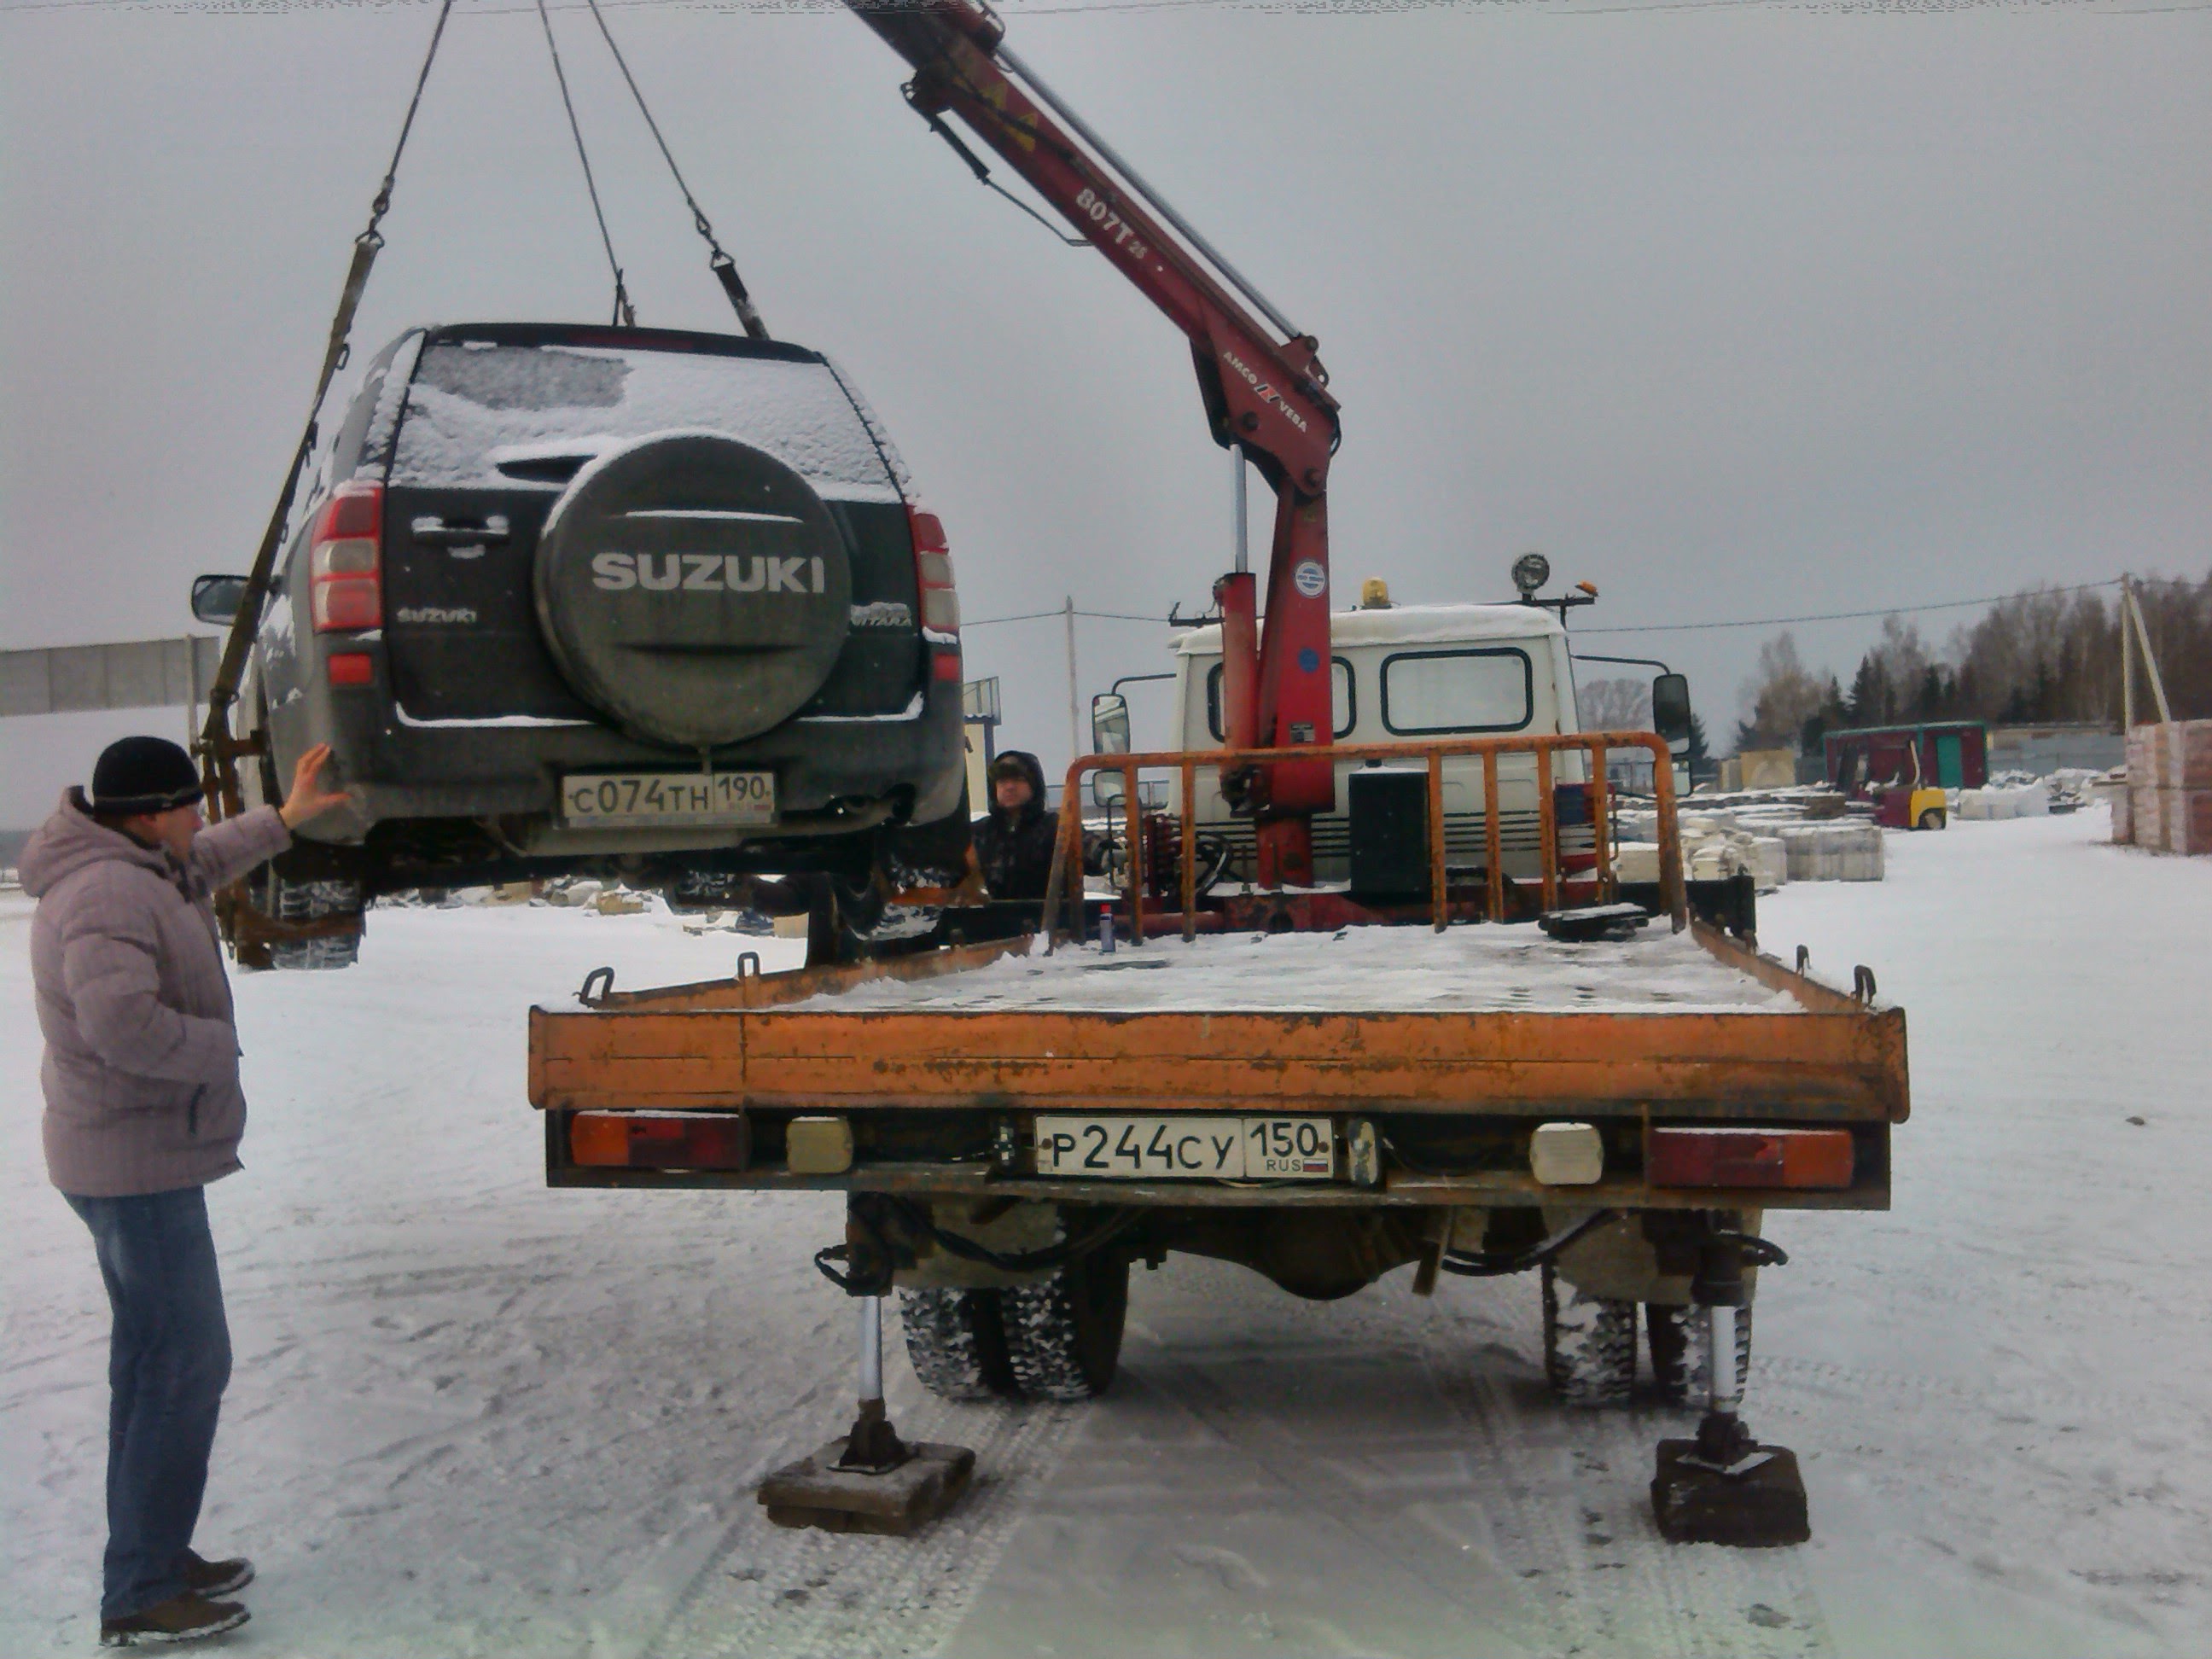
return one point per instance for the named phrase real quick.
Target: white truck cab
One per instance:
(1401, 674)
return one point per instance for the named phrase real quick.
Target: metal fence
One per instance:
(68, 679)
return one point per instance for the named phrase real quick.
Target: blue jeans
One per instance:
(167, 1362)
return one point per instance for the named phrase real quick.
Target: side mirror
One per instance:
(1670, 709)
(216, 599)
(1109, 723)
(1107, 789)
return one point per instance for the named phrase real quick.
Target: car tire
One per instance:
(1933, 818)
(292, 899)
(956, 1343)
(927, 854)
(1677, 1340)
(1064, 1333)
(1590, 1345)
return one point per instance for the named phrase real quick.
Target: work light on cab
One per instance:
(345, 583)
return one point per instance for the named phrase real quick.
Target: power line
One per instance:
(1068, 8)
(1666, 628)
(1843, 616)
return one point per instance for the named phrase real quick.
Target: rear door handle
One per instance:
(436, 532)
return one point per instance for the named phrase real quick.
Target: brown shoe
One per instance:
(190, 1617)
(212, 1578)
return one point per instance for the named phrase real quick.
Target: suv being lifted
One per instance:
(643, 602)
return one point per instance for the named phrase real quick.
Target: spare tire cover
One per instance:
(694, 588)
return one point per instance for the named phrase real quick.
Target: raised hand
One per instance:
(308, 797)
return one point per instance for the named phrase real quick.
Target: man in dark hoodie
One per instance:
(1013, 844)
(143, 1109)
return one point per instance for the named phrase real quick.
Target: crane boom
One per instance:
(1264, 397)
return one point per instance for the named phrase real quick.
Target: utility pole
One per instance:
(2127, 659)
(2134, 606)
(1076, 746)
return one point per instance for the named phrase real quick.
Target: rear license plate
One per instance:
(1187, 1148)
(628, 801)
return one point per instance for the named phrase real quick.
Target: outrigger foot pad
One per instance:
(844, 1487)
(1756, 1500)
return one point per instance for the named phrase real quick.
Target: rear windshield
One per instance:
(484, 414)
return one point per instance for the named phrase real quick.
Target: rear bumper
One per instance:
(951, 1156)
(832, 773)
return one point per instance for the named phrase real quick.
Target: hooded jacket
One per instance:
(1014, 850)
(141, 1068)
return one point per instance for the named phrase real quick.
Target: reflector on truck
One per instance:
(673, 1140)
(1817, 1159)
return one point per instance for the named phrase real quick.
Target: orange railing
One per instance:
(1066, 880)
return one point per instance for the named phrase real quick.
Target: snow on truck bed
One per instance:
(1469, 970)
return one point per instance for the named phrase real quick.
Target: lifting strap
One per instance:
(625, 313)
(718, 261)
(218, 752)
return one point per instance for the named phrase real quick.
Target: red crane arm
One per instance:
(1267, 398)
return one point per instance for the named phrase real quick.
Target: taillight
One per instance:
(1819, 1159)
(674, 1141)
(932, 569)
(345, 590)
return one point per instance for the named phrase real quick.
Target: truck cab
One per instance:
(1405, 673)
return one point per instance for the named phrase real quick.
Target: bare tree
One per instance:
(1621, 705)
(1781, 696)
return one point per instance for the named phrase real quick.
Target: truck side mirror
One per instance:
(1109, 735)
(1670, 709)
(1109, 723)
(216, 599)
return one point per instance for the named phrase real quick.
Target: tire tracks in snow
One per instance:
(1576, 1495)
(769, 1592)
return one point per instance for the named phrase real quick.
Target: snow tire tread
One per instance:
(955, 1342)
(1677, 1341)
(1590, 1345)
(1064, 1333)
(314, 901)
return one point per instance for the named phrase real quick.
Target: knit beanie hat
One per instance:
(144, 774)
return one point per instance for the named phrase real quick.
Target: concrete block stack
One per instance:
(1845, 850)
(2167, 807)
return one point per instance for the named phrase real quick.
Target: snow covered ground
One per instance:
(472, 1416)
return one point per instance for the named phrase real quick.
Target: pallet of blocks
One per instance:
(2168, 807)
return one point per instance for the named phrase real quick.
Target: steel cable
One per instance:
(718, 260)
(625, 313)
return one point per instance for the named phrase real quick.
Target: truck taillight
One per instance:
(345, 588)
(1816, 1159)
(932, 569)
(671, 1140)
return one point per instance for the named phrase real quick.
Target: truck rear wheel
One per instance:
(1064, 1334)
(1678, 1350)
(1590, 1345)
(957, 1341)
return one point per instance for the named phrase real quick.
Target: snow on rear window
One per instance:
(474, 405)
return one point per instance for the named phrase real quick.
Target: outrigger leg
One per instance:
(1723, 1487)
(870, 1480)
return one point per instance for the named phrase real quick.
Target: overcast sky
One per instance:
(1737, 311)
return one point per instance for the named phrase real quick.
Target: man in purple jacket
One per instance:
(143, 1108)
